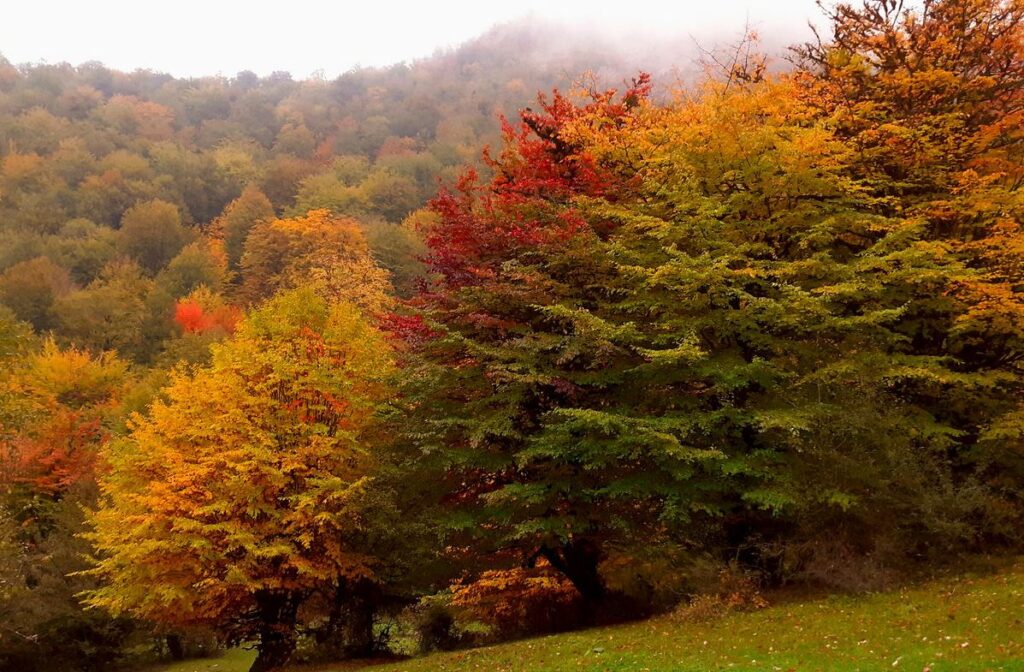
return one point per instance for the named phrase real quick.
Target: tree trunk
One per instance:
(578, 559)
(360, 642)
(348, 632)
(277, 613)
(330, 633)
(175, 646)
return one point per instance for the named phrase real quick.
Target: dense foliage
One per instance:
(751, 321)
(127, 201)
(238, 497)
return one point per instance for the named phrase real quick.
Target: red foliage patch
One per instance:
(194, 319)
(60, 455)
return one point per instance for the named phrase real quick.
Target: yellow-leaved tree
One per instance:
(318, 247)
(238, 498)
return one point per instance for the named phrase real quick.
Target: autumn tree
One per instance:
(113, 312)
(698, 320)
(200, 319)
(65, 400)
(399, 250)
(203, 310)
(787, 321)
(152, 234)
(319, 247)
(83, 248)
(930, 93)
(57, 406)
(932, 98)
(132, 116)
(201, 263)
(238, 219)
(236, 500)
(30, 289)
(495, 363)
(14, 334)
(330, 191)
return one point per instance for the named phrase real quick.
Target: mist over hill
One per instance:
(99, 140)
(82, 146)
(223, 38)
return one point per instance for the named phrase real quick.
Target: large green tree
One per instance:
(697, 320)
(932, 97)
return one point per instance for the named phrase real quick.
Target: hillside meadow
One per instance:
(969, 623)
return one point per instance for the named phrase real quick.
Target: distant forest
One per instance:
(126, 199)
(83, 145)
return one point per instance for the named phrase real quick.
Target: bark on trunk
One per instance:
(277, 612)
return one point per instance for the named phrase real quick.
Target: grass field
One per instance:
(966, 624)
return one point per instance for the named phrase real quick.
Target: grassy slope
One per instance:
(236, 660)
(962, 625)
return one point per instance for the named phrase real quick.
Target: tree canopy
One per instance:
(233, 501)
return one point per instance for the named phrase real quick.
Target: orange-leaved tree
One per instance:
(58, 406)
(238, 498)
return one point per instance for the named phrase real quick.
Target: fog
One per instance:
(309, 37)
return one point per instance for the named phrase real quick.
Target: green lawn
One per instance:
(966, 624)
(236, 660)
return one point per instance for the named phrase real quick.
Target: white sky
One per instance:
(206, 37)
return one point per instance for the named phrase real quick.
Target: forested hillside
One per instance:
(415, 355)
(139, 220)
(84, 145)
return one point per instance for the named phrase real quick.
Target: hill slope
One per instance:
(963, 624)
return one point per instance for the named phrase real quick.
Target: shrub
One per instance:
(736, 591)
(435, 626)
(520, 601)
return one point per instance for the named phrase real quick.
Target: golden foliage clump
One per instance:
(319, 248)
(736, 591)
(56, 405)
(239, 494)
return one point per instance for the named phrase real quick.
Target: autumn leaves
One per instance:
(775, 321)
